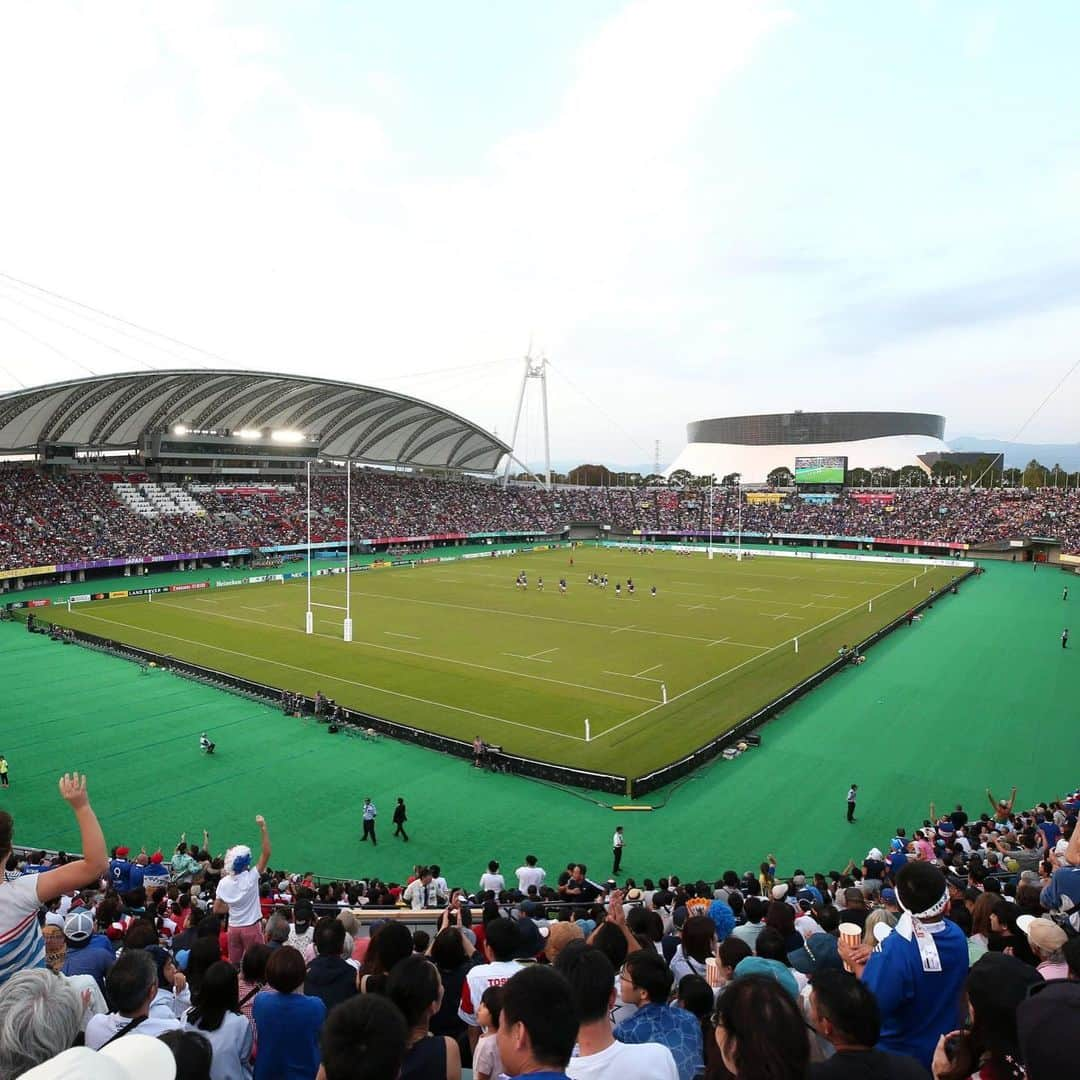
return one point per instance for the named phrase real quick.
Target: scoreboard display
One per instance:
(820, 470)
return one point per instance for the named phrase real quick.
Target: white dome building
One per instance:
(753, 446)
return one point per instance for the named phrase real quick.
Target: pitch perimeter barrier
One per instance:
(642, 785)
(356, 721)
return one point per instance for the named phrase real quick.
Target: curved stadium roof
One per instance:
(108, 412)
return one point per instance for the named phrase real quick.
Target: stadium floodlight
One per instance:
(248, 433)
(287, 436)
(179, 429)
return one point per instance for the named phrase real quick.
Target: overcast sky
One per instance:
(693, 209)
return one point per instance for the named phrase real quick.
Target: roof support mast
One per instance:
(534, 369)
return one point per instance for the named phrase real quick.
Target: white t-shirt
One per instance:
(529, 875)
(492, 883)
(231, 1045)
(486, 1058)
(241, 893)
(100, 1029)
(478, 979)
(625, 1061)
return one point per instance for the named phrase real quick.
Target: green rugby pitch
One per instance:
(456, 648)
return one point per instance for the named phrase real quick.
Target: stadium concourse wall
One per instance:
(357, 721)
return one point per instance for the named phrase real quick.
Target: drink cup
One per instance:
(850, 934)
(712, 971)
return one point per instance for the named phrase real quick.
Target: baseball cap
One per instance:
(779, 891)
(756, 965)
(532, 941)
(157, 857)
(819, 953)
(133, 1057)
(888, 896)
(1048, 1024)
(79, 926)
(1043, 933)
(561, 934)
(123, 852)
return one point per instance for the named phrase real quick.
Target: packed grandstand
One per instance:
(80, 517)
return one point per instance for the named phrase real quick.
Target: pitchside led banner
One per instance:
(820, 470)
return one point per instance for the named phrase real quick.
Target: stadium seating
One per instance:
(60, 518)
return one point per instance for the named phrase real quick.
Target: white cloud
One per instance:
(162, 165)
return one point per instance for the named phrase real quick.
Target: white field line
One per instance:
(541, 618)
(411, 637)
(741, 599)
(336, 607)
(336, 678)
(627, 675)
(692, 689)
(425, 656)
(518, 656)
(645, 671)
(773, 577)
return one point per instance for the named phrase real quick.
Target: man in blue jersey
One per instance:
(917, 973)
(123, 874)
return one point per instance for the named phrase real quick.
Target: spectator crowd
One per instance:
(950, 950)
(53, 518)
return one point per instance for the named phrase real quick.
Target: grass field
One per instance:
(457, 649)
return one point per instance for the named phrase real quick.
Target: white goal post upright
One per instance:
(347, 628)
(309, 618)
(738, 535)
(712, 484)
(588, 733)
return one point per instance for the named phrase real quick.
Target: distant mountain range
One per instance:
(1017, 455)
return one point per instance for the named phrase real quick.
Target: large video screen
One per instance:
(820, 470)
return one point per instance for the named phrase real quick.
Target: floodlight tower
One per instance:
(534, 369)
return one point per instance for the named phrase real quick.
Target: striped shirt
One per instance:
(21, 943)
